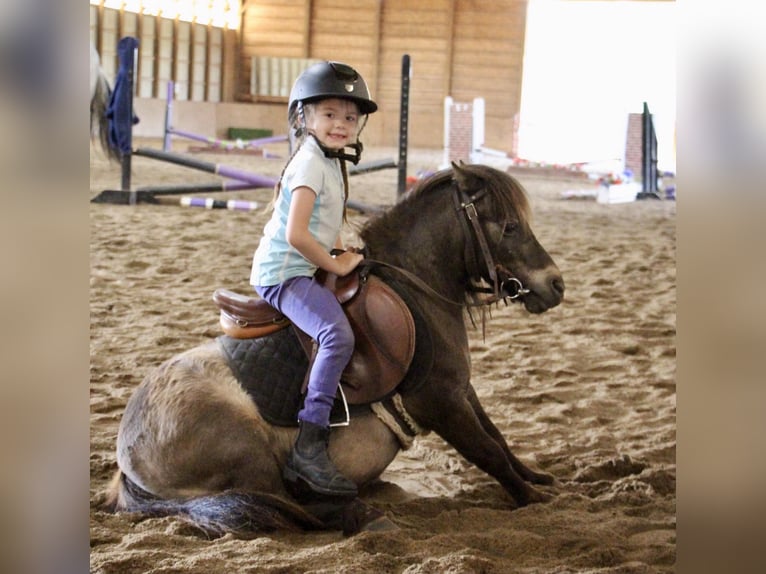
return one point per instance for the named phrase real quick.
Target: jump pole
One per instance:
(209, 167)
(168, 114)
(404, 114)
(387, 164)
(242, 180)
(401, 165)
(228, 144)
(215, 142)
(180, 189)
(371, 166)
(212, 203)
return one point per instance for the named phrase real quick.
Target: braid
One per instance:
(344, 172)
(278, 185)
(296, 121)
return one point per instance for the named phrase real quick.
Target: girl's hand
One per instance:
(346, 262)
(298, 236)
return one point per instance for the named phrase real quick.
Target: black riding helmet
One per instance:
(332, 80)
(329, 80)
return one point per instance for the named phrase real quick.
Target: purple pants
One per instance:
(315, 311)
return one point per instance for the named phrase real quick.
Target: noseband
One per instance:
(501, 279)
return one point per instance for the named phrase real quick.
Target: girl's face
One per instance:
(334, 122)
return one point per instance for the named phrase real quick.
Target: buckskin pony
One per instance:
(194, 442)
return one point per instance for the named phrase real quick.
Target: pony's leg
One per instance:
(190, 429)
(363, 450)
(350, 517)
(360, 451)
(526, 473)
(460, 426)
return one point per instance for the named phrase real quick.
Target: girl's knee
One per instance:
(340, 338)
(344, 337)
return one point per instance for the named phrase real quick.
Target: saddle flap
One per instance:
(237, 330)
(384, 346)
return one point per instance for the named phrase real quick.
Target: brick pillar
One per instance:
(460, 132)
(633, 148)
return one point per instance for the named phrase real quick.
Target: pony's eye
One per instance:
(510, 227)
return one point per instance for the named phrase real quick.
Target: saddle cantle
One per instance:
(383, 328)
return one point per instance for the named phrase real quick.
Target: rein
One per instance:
(412, 278)
(509, 284)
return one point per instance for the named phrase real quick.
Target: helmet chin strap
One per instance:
(357, 147)
(341, 153)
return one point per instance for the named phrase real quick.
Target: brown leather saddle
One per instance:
(383, 327)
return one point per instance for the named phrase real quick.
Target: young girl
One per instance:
(326, 104)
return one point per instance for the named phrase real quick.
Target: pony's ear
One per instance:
(464, 179)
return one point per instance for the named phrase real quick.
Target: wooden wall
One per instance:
(461, 48)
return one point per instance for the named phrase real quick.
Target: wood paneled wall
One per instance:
(459, 48)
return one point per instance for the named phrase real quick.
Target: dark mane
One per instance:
(510, 198)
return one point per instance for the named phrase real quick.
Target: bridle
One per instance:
(504, 285)
(502, 279)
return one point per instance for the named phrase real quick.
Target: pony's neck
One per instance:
(422, 236)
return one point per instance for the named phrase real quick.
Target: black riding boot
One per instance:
(308, 461)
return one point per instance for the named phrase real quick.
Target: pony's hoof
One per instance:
(542, 478)
(359, 517)
(542, 497)
(534, 496)
(382, 524)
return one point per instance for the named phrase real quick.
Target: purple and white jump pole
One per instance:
(216, 142)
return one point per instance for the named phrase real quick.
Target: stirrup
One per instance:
(345, 408)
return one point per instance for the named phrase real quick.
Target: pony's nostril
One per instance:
(558, 286)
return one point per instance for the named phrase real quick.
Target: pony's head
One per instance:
(500, 247)
(467, 230)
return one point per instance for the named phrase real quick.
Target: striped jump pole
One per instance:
(228, 144)
(211, 203)
(215, 142)
(182, 188)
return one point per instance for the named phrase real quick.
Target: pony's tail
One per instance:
(99, 123)
(243, 514)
